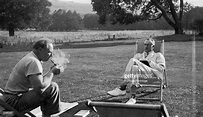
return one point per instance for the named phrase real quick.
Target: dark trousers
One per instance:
(49, 100)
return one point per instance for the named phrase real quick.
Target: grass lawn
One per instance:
(94, 71)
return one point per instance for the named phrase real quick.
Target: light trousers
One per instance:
(136, 69)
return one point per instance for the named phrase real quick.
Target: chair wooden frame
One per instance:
(153, 82)
(112, 109)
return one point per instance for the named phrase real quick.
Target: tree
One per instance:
(42, 22)
(91, 21)
(131, 11)
(198, 26)
(65, 21)
(58, 20)
(193, 18)
(17, 14)
(78, 21)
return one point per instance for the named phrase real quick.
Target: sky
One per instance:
(194, 2)
(79, 1)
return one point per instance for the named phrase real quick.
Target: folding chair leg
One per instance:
(161, 93)
(165, 80)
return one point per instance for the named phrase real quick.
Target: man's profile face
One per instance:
(46, 53)
(148, 47)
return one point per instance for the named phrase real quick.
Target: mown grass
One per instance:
(83, 35)
(94, 71)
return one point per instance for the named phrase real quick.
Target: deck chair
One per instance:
(112, 109)
(152, 82)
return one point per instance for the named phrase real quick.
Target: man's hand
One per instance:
(134, 61)
(57, 70)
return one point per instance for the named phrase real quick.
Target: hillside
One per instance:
(81, 8)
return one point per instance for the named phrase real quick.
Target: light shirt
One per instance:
(18, 81)
(157, 60)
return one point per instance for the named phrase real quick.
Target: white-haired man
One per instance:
(154, 64)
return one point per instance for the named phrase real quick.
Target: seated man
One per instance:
(28, 87)
(145, 65)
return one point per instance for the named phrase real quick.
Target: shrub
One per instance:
(198, 26)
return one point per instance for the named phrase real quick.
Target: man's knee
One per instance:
(53, 88)
(135, 69)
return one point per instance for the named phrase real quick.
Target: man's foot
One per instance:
(117, 92)
(131, 101)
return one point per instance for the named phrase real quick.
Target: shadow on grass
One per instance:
(95, 44)
(104, 43)
(69, 45)
(180, 38)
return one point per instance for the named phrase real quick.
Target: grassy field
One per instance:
(82, 35)
(93, 71)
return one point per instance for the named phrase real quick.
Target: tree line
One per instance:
(61, 20)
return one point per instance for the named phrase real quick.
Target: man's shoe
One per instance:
(131, 101)
(117, 92)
